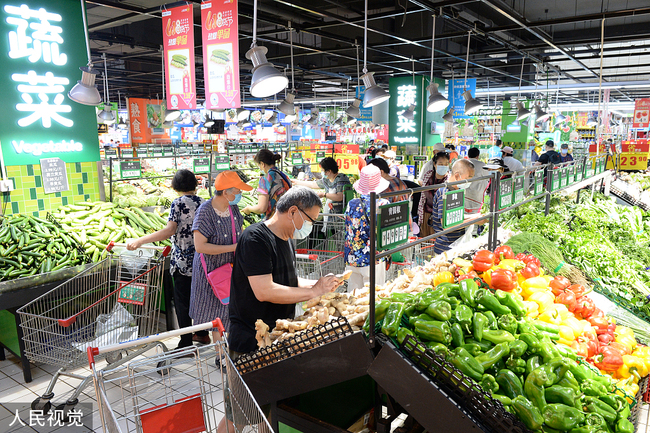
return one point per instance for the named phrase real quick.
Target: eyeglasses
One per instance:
(310, 218)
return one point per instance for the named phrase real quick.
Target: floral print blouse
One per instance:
(357, 231)
(182, 213)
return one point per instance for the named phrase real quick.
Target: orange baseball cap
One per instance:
(230, 179)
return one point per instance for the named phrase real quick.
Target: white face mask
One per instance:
(442, 170)
(565, 151)
(304, 231)
(463, 185)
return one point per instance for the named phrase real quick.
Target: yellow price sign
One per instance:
(348, 163)
(634, 161)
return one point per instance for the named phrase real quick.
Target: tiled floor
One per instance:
(15, 394)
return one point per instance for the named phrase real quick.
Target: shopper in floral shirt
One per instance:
(357, 229)
(179, 229)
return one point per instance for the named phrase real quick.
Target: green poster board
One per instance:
(393, 225)
(453, 210)
(539, 182)
(201, 165)
(130, 169)
(519, 189)
(505, 193)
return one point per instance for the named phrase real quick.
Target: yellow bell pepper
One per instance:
(566, 333)
(624, 330)
(565, 342)
(532, 285)
(512, 264)
(627, 388)
(548, 278)
(550, 316)
(532, 308)
(632, 365)
(545, 300)
(624, 337)
(576, 325)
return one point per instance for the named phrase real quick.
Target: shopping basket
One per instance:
(117, 299)
(175, 392)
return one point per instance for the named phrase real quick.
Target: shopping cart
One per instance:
(327, 234)
(175, 392)
(115, 300)
(313, 264)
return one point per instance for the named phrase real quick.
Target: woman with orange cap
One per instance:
(217, 226)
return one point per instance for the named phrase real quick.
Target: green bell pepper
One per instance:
(527, 413)
(426, 298)
(560, 366)
(593, 405)
(517, 348)
(516, 365)
(593, 388)
(454, 302)
(562, 417)
(445, 286)
(531, 341)
(509, 383)
(401, 297)
(433, 330)
(457, 337)
(548, 351)
(567, 352)
(624, 413)
(524, 326)
(489, 358)
(453, 290)
(547, 429)
(595, 419)
(511, 301)
(561, 394)
(473, 348)
(532, 363)
(468, 289)
(439, 310)
(410, 309)
(402, 333)
(484, 345)
(505, 400)
(392, 318)
(437, 348)
(584, 429)
(479, 323)
(569, 381)
(463, 316)
(545, 327)
(489, 301)
(534, 387)
(550, 375)
(498, 336)
(581, 373)
(492, 320)
(489, 383)
(624, 426)
(615, 401)
(380, 311)
(422, 316)
(462, 360)
(508, 322)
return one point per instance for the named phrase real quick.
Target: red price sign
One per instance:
(633, 161)
(348, 163)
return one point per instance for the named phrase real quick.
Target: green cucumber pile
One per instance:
(30, 245)
(95, 224)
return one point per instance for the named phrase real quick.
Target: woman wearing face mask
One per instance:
(565, 156)
(356, 251)
(332, 182)
(272, 185)
(215, 245)
(434, 177)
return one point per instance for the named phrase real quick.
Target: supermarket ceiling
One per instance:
(557, 40)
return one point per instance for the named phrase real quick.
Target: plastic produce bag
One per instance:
(112, 329)
(118, 318)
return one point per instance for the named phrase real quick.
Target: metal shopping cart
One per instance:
(176, 392)
(116, 300)
(328, 234)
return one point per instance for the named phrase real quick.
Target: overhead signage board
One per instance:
(406, 91)
(146, 117)
(41, 54)
(393, 227)
(220, 54)
(178, 44)
(641, 117)
(456, 90)
(348, 164)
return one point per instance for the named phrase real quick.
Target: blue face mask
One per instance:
(236, 200)
(304, 231)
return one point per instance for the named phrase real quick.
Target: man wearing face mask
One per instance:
(565, 156)
(461, 170)
(264, 282)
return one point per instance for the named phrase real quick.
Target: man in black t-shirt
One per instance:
(550, 156)
(264, 282)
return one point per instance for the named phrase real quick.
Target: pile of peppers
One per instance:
(484, 331)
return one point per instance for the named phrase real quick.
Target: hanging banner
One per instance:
(366, 113)
(456, 90)
(220, 54)
(178, 42)
(146, 117)
(641, 117)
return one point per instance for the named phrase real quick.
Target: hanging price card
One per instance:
(555, 179)
(168, 150)
(580, 168)
(110, 153)
(130, 169)
(453, 208)
(505, 194)
(539, 182)
(156, 150)
(221, 162)
(320, 156)
(519, 189)
(393, 227)
(564, 175)
(399, 158)
(348, 163)
(296, 158)
(142, 151)
(201, 165)
(634, 161)
(420, 158)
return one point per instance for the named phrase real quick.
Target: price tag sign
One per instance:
(348, 163)
(420, 158)
(157, 151)
(519, 189)
(580, 168)
(393, 227)
(130, 169)
(54, 175)
(296, 158)
(142, 151)
(221, 162)
(453, 209)
(539, 182)
(505, 193)
(564, 177)
(587, 168)
(399, 158)
(634, 161)
(201, 165)
(110, 153)
(555, 183)
(168, 150)
(320, 156)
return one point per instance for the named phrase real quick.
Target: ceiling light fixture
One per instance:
(471, 104)
(409, 113)
(85, 91)
(106, 115)
(436, 102)
(266, 80)
(522, 112)
(373, 95)
(286, 106)
(449, 117)
(353, 110)
(121, 124)
(540, 114)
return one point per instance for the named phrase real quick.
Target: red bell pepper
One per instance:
(483, 260)
(579, 290)
(559, 284)
(470, 275)
(621, 348)
(503, 252)
(580, 348)
(532, 259)
(593, 346)
(531, 270)
(597, 313)
(605, 339)
(608, 359)
(600, 324)
(585, 307)
(567, 298)
(503, 279)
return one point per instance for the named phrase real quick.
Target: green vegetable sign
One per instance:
(41, 44)
(453, 208)
(393, 227)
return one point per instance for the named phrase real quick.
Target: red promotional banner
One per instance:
(146, 117)
(178, 41)
(346, 148)
(220, 54)
(635, 146)
(641, 113)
